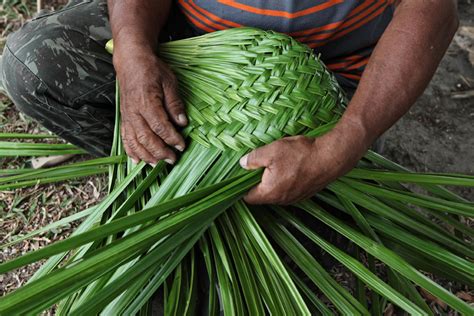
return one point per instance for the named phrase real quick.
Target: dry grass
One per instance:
(25, 210)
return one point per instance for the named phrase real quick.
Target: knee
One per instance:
(61, 45)
(18, 81)
(58, 52)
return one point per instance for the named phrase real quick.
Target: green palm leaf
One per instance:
(242, 88)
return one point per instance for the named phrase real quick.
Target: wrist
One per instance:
(131, 58)
(353, 130)
(343, 146)
(130, 46)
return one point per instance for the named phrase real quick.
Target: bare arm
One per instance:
(150, 105)
(137, 24)
(400, 68)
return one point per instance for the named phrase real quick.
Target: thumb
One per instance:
(257, 158)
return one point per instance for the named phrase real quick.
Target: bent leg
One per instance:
(56, 70)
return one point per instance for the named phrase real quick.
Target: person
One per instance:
(384, 52)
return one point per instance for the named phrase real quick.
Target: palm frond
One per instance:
(160, 227)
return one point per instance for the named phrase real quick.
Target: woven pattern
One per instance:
(246, 87)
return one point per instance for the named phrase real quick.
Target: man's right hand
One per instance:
(150, 107)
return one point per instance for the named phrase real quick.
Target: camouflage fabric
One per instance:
(56, 70)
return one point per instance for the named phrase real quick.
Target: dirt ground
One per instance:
(436, 135)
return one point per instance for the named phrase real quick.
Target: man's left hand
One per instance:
(298, 167)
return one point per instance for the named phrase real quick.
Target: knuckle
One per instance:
(127, 142)
(253, 155)
(159, 128)
(175, 104)
(133, 146)
(143, 139)
(283, 198)
(157, 98)
(158, 153)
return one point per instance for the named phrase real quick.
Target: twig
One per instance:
(463, 94)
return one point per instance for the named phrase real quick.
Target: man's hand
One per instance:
(150, 108)
(150, 105)
(298, 167)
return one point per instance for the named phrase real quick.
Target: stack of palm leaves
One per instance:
(182, 236)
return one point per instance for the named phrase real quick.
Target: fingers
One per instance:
(258, 195)
(158, 122)
(143, 144)
(150, 110)
(266, 192)
(153, 144)
(281, 182)
(173, 103)
(272, 191)
(257, 158)
(133, 148)
(126, 131)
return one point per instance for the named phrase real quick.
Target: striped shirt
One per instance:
(344, 32)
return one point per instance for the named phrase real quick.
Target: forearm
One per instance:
(400, 68)
(136, 24)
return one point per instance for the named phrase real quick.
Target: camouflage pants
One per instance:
(56, 70)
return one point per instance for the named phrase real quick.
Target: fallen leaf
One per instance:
(465, 39)
(465, 296)
(433, 299)
(389, 310)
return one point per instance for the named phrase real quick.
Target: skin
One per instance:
(399, 70)
(151, 108)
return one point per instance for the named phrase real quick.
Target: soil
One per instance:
(437, 134)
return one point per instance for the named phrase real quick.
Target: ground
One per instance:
(436, 135)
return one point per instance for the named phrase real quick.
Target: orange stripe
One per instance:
(359, 64)
(341, 34)
(317, 37)
(201, 17)
(214, 17)
(197, 23)
(283, 14)
(334, 25)
(350, 76)
(323, 28)
(364, 14)
(348, 23)
(348, 61)
(360, 8)
(361, 23)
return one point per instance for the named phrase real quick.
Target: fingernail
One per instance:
(182, 119)
(179, 147)
(135, 161)
(243, 161)
(152, 164)
(169, 161)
